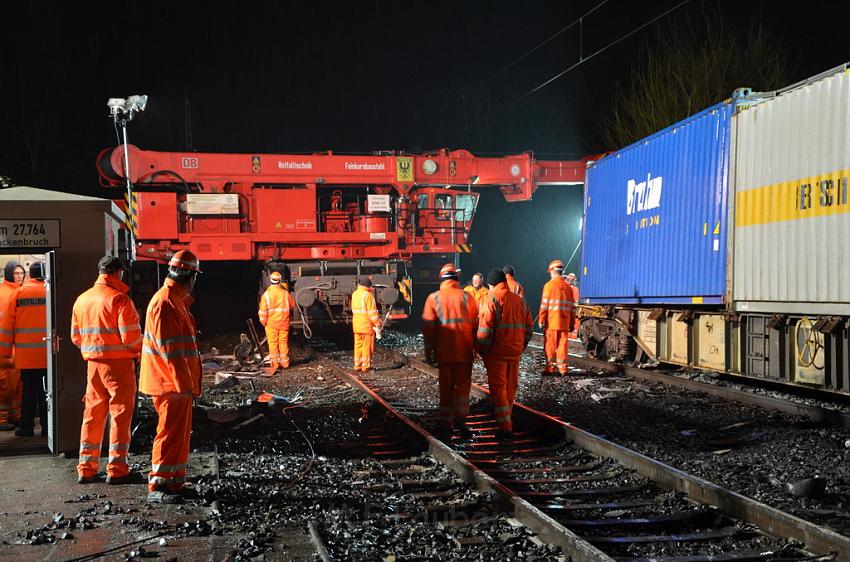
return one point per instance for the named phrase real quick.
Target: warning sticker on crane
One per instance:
(255, 164)
(404, 168)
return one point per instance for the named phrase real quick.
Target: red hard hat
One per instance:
(449, 270)
(556, 264)
(184, 259)
(275, 277)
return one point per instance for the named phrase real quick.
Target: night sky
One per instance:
(357, 77)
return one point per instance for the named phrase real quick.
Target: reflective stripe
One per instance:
(84, 445)
(128, 327)
(168, 341)
(511, 326)
(30, 330)
(89, 458)
(7, 332)
(5, 344)
(170, 354)
(117, 460)
(87, 331)
(119, 447)
(502, 408)
(484, 330)
(23, 303)
(37, 345)
(157, 480)
(167, 467)
(110, 347)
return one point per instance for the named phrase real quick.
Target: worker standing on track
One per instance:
(504, 330)
(276, 307)
(365, 322)
(10, 377)
(171, 375)
(449, 324)
(571, 281)
(557, 310)
(105, 326)
(27, 322)
(514, 285)
(477, 289)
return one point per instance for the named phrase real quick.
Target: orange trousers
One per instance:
(11, 388)
(111, 389)
(556, 346)
(278, 347)
(455, 381)
(171, 444)
(364, 347)
(503, 377)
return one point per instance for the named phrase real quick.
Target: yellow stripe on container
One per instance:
(815, 196)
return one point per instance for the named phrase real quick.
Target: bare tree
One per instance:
(692, 64)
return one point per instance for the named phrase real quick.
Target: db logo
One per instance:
(189, 162)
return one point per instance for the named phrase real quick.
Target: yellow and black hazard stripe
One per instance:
(463, 248)
(131, 214)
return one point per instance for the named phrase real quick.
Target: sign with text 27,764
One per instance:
(25, 234)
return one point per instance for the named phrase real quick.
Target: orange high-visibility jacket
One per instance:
(515, 286)
(557, 307)
(28, 321)
(449, 322)
(170, 360)
(276, 307)
(104, 322)
(364, 310)
(478, 293)
(504, 324)
(8, 294)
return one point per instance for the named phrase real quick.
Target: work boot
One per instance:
(504, 435)
(5, 426)
(24, 432)
(161, 496)
(129, 478)
(87, 479)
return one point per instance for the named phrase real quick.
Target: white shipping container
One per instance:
(791, 211)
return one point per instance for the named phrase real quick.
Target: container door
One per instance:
(52, 349)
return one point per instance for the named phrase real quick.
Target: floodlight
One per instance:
(137, 103)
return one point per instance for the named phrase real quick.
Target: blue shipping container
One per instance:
(655, 216)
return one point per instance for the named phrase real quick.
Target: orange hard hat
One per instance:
(275, 277)
(449, 270)
(556, 264)
(184, 259)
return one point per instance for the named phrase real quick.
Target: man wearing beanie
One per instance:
(513, 285)
(449, 323)
(365, 323)
(10, 377)
(28, 325)
(105, 326)
(504, 330)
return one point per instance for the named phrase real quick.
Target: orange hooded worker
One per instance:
(477, 288)
(276, 307)
(365, 323)
(449, 323)
(27, 323)
(504, 330)
(171, 375)
(105, 326)
(557, 310)
(514, 285)
(10, 377)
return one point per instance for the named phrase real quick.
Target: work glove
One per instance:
(377, 333)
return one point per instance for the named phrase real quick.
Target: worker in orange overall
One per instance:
(504, 330)
(10, 377)
(27, 322)
(171, 375)
(514, 285)
(276, 307)
(105, 326)
(571, 281)
(449, 323)
(366, 324)
(557, 310)
(477, 288)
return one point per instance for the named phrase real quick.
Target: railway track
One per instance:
(792, 401)
(595, 499)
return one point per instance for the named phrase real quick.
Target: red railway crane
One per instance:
(328, 217)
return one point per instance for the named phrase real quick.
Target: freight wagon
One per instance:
(721, 242)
